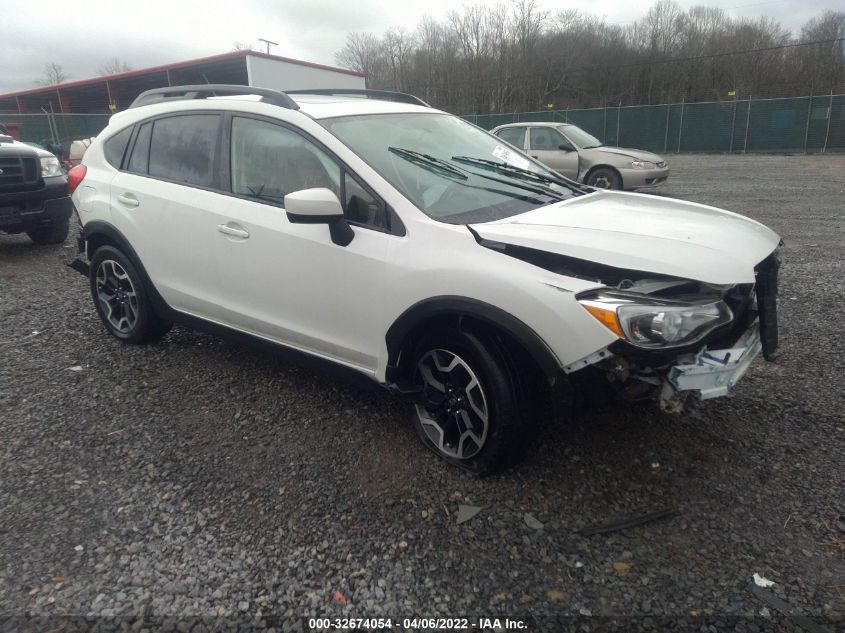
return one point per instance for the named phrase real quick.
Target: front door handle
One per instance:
(128, 200)
(234, 231)
(533, 155)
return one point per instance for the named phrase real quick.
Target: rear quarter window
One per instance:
(115, 147)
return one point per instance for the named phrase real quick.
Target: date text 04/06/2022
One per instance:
(439, 624)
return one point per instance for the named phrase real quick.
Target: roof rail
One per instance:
(384, 95)
(203, 91)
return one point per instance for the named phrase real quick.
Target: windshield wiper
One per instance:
(517, 172)
(426, 161)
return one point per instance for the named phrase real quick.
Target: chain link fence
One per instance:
(794, 124)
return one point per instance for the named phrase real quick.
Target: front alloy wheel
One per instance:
(454, 413)
(470, 411)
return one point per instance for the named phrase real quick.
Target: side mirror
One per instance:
(566, 147)
(319, 206)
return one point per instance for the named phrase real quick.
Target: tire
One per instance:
(121, 299)
(475, 418)
(604, 178)
(52, 233)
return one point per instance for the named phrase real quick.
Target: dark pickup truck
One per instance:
(33, 193)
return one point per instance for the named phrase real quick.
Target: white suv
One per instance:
(373, 231)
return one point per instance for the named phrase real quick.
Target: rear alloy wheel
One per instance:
(604, 178)
(117, 296)
(121, 300)
(469, 413)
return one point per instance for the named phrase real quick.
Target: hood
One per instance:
(23, 149)
(42, 153)
(600, 153)
(16, 148)
(642, 232)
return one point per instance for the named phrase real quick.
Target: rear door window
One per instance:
(183, 148)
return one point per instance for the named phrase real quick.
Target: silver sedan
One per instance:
(572, 152)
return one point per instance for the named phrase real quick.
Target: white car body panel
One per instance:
(442, 260)
(646, 233)
(284, 282)
(172, 231)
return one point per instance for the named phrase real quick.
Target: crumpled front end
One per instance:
(712, 365)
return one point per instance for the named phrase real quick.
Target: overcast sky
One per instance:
(81, 35)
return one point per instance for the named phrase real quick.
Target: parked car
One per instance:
(378, 233)
(34, 197)
(580, 156)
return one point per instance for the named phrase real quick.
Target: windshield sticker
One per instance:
(510, 157)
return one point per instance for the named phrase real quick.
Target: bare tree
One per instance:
(53, 74)
(362, 52)
(511, 57)
(113, 66)
(398, 46)
(243, 46)
(823, 64)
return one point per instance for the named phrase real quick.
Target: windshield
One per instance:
(578, 136)
(416, 153)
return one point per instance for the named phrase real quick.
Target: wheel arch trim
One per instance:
(100, 228)
(458, 306)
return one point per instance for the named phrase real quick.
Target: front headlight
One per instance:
(50, 166)
(671, 326)
(643, 164)
(653, 324)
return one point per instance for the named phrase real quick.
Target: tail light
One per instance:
(75, 176)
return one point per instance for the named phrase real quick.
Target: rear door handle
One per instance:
(233, 230)
(128, 200)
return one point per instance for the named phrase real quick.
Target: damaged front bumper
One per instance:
(712, 373)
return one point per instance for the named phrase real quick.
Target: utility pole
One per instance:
(268, 43)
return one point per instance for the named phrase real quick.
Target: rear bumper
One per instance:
(643, 178)
(22, 210)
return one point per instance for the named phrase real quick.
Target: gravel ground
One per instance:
(199, 477)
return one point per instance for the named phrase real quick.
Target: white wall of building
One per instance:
(280, 75)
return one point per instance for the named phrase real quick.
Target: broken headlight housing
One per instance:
(656, 323)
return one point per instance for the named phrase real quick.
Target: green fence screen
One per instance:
(796, 124)
(60, 129)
